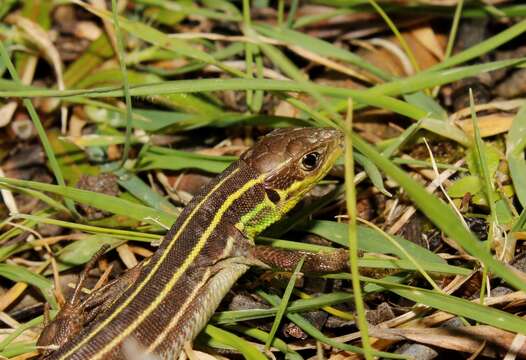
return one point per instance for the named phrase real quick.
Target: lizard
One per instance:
(168, 299)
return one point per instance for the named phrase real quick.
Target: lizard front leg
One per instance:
(102, 298)
(71, 317)
(76, 314)
(280, 259)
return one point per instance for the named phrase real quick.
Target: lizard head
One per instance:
(292, 161)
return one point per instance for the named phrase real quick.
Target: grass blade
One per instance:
(249, 351)
(21, 274)
(98, 200)
(283, 303)
(457, 306)
(53, 163)
(515, 145)
(352, 235)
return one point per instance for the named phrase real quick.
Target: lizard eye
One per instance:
(310, 161)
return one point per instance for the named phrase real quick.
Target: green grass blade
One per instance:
(520, 223)
(515, 145)
(138, 188)
(440, 76)
(18, 348)
(292, 13)
(319, 47)
(169, 159)
(21, 328)
(454, 28)
(457, 306)
(352, 235)
(283, 303)
(483, 47)
(245, 348)
(53, 163)
(482, 165)
(38, 195)
(125, 83)
(98, 200)
(373, 173)
(81, 251)
(21, 274)
(438, 268)
(369, 240)
(263, 336)
(187, 9)
(125, 234)
(314, 303)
